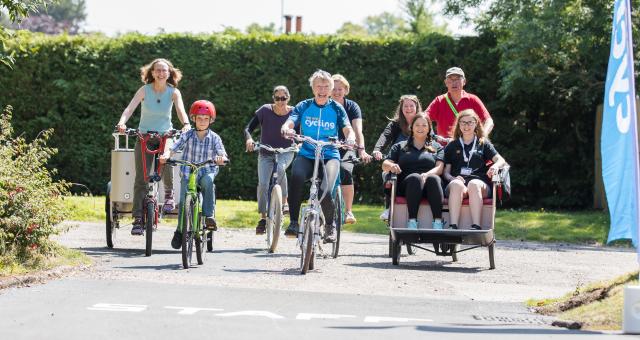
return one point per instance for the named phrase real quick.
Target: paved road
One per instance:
(242, 291)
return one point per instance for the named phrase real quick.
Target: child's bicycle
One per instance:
(150, 206)
(274, 194)
(190, 220)
(310, 232)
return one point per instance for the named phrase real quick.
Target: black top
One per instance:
(411, 160)
(353, 112)
(392, 134)
(270, 124)
(477, 161)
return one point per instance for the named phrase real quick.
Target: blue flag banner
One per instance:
(619, 143)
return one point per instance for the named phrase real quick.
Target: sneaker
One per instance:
(262, 227)
(437, 225)
(476, 227)
(412, 223)
(453, 226)
(385, 215)
(176, 241)
(285, 209)
(349, 218)
(210, 223)
(138, 228)
(169, 205)
(292, 230)
(330, 233)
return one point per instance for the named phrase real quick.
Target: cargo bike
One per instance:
(119, 196)
(445, 242)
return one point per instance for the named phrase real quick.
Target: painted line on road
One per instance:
(186, 310)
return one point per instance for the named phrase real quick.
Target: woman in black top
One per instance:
(418, 162)
(466, 170)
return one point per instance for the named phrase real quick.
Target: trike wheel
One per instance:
(390, 245)
(274, 220)
(111, 222)
(150, 220)
(492, 262)
(395, 257)
(410, 250)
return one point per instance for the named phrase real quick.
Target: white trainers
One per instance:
(349, 218)
(385, 215)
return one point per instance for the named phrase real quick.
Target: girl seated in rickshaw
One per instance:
(466, 169)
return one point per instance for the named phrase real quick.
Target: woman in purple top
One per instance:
(270, 118)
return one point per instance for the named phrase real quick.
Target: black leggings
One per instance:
(301, 171)
(410, 187)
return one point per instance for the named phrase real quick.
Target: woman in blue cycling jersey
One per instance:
(320, 118)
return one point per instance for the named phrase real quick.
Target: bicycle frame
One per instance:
(273, 178)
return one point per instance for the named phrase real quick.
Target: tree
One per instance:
(419, 18)
(61, 16)
(553, 59)
(256, 28)
(11, 12)
(353, 30)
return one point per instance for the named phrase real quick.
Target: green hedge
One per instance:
(80, 85)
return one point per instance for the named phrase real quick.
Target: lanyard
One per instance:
(455, 112)
(473, 150)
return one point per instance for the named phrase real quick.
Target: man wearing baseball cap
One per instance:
(444, 109)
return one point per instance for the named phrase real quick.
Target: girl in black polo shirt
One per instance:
(465, 159)
(418, 162)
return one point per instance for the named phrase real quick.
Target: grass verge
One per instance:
(582, 227)
(596, 307)
(59, 256)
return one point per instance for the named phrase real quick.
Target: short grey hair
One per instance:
(322, 75)
(281, 88)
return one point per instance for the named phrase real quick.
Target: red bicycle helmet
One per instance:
(203, 107)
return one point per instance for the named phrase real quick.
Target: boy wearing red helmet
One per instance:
(199, 145)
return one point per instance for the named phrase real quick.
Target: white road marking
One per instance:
(309, 316)
(392, 319)
(118, 307)
(192, 310)
(253, 313)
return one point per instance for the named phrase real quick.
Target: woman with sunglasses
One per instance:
(270, 118)
(466, 170)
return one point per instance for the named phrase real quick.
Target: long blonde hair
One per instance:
(479, 130)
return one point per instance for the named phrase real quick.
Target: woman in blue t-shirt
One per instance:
(320, 118)
(466, 170)
(270, 118)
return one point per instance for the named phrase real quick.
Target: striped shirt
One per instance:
(198, 150)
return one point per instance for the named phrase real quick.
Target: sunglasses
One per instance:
(280, 99)
(468, 123)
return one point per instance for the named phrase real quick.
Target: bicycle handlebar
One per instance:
(258, 146)
(195, 165)
(138, 133)
(331, 142)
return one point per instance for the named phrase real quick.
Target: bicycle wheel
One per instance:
(274, 219)
(149, 222)
(111, 220)
(187, 230)
(210, 241)
(307, 243)
(338, 218)
(200, 236)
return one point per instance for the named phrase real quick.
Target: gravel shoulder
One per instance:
(523, 270)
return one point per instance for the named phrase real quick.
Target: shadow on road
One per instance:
(171, 267)
(123, 252)
(475, 330)
(420, 265)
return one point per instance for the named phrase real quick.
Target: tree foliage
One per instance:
(256, 28)
(58, 17)
(14, 11)
(553, 61)
(30, 201)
